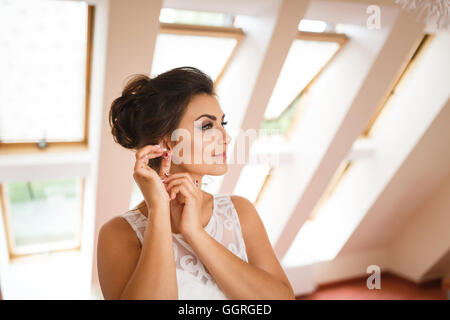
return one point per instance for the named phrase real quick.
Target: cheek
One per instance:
(200, 145)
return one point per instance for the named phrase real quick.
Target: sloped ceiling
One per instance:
(418, 178)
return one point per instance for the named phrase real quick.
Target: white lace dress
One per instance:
(194, 280)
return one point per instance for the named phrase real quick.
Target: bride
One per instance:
(182, 242)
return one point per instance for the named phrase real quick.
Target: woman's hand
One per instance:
(188, 197)
(149, 181)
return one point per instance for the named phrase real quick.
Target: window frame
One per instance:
(206, 31)
(339, 38)
(340, 173)
(9, 232)
(64, 146)
(338, 176)
(426, 38)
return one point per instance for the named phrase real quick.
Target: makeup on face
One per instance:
(224, 155)
(207, 125)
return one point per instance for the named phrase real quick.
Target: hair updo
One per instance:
(151, 109)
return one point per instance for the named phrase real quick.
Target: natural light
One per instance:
(305, 59)
(43, 63)
(207, 53)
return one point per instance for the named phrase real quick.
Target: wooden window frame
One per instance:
(265, 182)
(6, 215)
(339, 38)
(338, 176)
(424, 42)
(342, 171)
(206, 31)
(65, 146)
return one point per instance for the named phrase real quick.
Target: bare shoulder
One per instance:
(247, 213)
(117, 229)
(118, 251)
(240, 199)
(242, 203)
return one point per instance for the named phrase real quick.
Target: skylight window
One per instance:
(251, 179)
(207, 49)
(313, 25)
(169, 15)
(43, 63)
(348, 196)
(307, 57)
(304, 61)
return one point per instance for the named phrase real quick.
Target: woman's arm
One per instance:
(128, 272)
(262, 277)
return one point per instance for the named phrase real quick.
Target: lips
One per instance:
(223, 154)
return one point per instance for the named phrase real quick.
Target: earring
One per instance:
(208, 181)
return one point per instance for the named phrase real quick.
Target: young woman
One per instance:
(182, 242)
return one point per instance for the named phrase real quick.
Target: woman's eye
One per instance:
(207, 126)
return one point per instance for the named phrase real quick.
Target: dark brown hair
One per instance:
(151, 109)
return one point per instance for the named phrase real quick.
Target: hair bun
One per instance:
(122, 114)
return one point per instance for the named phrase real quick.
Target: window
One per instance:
(136, 196)
(308, 56)
(350, 193)
(169, 15)
(332, 185)
(365, 136)
(205, 47)
(250, 180)
(44, 83)
(315, 26)
(377, 115)
(42, 215)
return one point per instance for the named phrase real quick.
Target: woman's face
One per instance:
(201, 139)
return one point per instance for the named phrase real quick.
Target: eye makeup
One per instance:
(208, 125)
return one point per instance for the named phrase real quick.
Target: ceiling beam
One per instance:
(402, 39)
(272, 58)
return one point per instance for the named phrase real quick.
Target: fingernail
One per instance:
(166, 155)
(157, 145)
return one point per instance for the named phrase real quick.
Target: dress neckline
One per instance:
(206, 228)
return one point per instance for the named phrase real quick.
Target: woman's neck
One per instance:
(176, 169)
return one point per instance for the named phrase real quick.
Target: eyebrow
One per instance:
(209, 116)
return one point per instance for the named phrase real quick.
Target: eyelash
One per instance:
(210, 123)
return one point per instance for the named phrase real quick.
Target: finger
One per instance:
(183, 191)
(179, 175)
(180, 181)
(143, 161)
(148, 149)
(165, 164)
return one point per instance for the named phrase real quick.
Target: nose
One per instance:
(227, 138)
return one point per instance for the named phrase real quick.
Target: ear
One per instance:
(167, 143)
